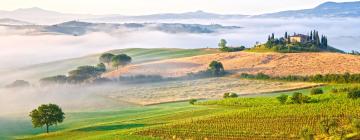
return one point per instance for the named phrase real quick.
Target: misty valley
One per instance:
(288, 74)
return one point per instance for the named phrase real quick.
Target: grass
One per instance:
(119, 124)
(208, 88)
(239, 118)
(262, 118)
(139, 55)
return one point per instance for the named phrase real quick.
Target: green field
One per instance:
(238, 118)
(139, 55)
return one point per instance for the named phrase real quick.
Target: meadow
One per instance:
(250, 117)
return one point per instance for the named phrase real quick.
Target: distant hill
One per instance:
(34, 72)
(40, 16)
(80, 28)
(188, 15)
(328, 9)
(9, 21)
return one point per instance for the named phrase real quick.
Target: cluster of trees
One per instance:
(223, 47)
(327, 78)
(115, 60)
(79, 75)
(297, 98)
(312, 43)
(91, 74)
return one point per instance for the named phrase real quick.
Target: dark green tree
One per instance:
(222, 43)
(106, 58)
(316, 91)
(47, 115)
(299, 98)
(101, 67)
(121, 60)
(216, 68)
(282, 98)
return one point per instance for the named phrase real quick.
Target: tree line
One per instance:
(319, 78)
(83, 74)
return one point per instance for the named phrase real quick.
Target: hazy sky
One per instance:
(139, 7)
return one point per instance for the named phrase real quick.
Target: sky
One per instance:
(141, 7)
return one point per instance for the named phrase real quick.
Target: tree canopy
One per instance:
(121, 60)
(106, 58)
(216, 68)
(47, 115)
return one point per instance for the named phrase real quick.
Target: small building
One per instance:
(299, 38)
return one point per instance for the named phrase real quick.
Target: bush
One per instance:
(316, 91)
(230, 95)
(299, 98)
(192, 101)
(354, 94)
(356, 125)
(282, 98)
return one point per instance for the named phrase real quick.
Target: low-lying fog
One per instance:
(18, 49)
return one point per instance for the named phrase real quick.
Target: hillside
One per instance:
(275, 64)
(327, 9)
(36, 72)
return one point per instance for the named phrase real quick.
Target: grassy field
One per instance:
(35, 72)
(273, 64)
(205, 88)
(239, 118)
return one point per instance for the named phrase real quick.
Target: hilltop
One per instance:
(274, 64)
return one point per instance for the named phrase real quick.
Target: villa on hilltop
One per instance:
(299, 38)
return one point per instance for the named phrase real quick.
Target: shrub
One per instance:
(299, 98)
(192, 101)
(316, 91)
(230, 95)
(282, 98)
(354, 94)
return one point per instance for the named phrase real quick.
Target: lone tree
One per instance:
(222, 43)
(121, 60)
(106, 58)
(216, 68)
(47, 115)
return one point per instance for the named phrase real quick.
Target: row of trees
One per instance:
(223, 47)
(327, 78)
(89, 73)
(312, 43)
(115, 60)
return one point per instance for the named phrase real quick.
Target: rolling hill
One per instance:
(35, 72)
(275, 64)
